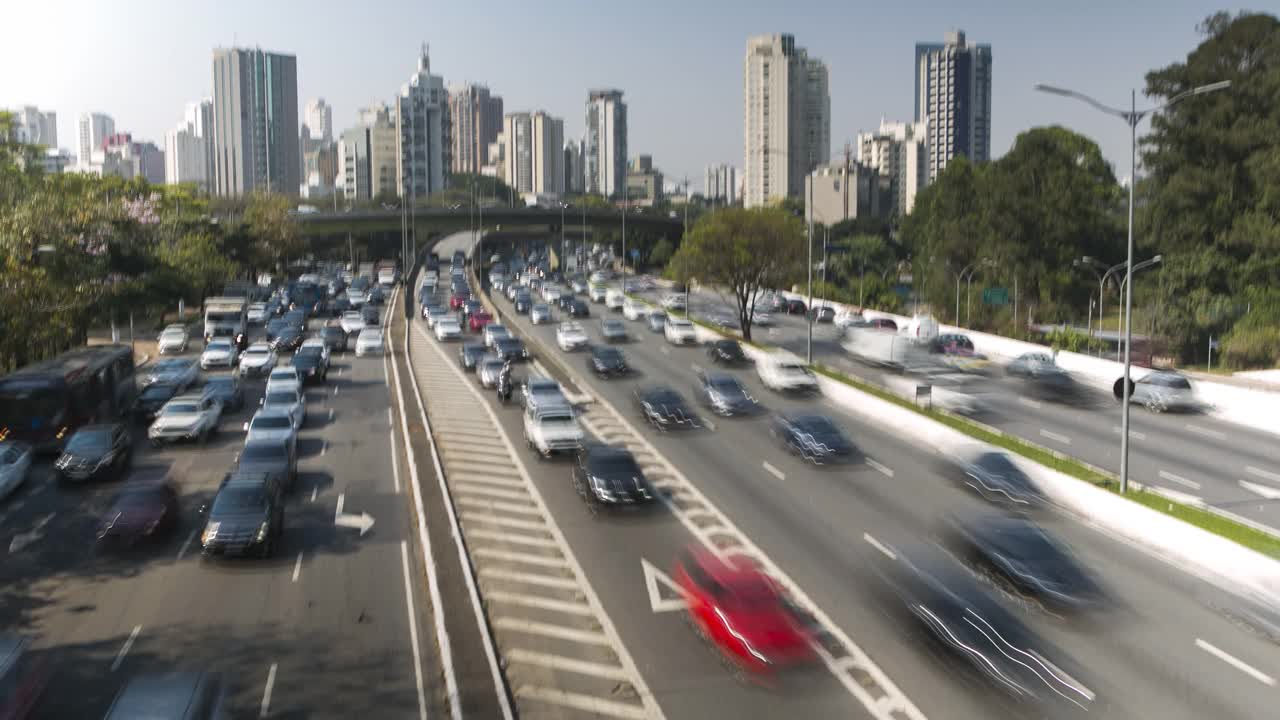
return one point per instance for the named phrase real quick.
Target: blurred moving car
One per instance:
(470, 354)
(656, 320)
(218, 353)
(171, 696)
(334, 337)
(724, 394)
(727, 352)
(608, 478)
(1161, 391)
(246, 516)
(15, 465)
(680, 331)
(175, 370)
(477, 321)
(634, 309)
(152, 398)
(740, 611)
(1028, 364)
(540, 391)
(540, 314)
(139, 512)
(493, 332)
(487, 370)
(674, 301)
(815, 438)
(607, 361)
(352, 322)
(579, 309)
(614, 299)
(288, 400)
(612, 330)
(510, 348)
(258, 360)
(95, 452)
(369, 342)
(448, 328)
(956, 351)
(822, 314)
(994, 476)
(664, 408)
(193, 416)
(226, 390)
(23, 678)
(433, 313)
(172, 340)
(257, 313)
(570, 336)
(287, 340)
(784, 372)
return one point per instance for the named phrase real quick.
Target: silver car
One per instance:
(179, 372)
(15, 464)
(289, 401)
(488, 369)
(494, 331)
(271, 423)
(172, 340)
(540, 313)
(186, 417)
(1161, 391)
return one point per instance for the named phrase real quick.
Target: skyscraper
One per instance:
(535, 153)
(92, 129)
(573, 175)
(319, 119)
(900, 153)
(255, 114)
(605, 159)
(720, 184)
(476, 120)
(367, 156)
(35, 127)
(787, 118)
(422, 122)
(953, 95)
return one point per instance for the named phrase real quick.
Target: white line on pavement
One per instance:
(1215, 434)
(182, 552)
(1265, 491)
(1057, 437)
(567, 664)
(1259, 472)
(324, 447)
(1132, 433)
(265, 708)
(885, 469)
(774, 471)
(413, 630)
(297, 568)
(879, 546)
(314, 489)
(335, 390)
(339, 372)
(395, 459)
(560, 632)
(1166, 475)
(330, 413)
(1236, 663)
(124, 649)
(1036, 404)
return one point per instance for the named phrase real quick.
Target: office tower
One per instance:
(720, 184)
(33, 127)
(475, 120)
(535, 153)
(605, 159)
(368, 156)
(573, 174)
(787, 118)
(644, 184)
(422, 121)
(255, 118)
(900, 153)
(185, 157)
(92, 129)
(953, 95)
(319, 119)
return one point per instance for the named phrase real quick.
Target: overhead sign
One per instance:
(664, 594)
(995, 296)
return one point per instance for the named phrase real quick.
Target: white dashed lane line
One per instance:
(1056, 437)
(1166, 475)
(774, 471)
(124, 649)
(264, 709)
(1236, 663)
(879, 466)
(1265, 475)
(1133, 434)
(1215, 434)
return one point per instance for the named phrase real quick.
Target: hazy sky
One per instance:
(679, 62)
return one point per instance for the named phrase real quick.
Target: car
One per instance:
(570, 336)
(226, 389)
(493, 332)
(448, 328)
(1161, 391)
(182, 373)
(1029, 364)
(609, 478)
(247, 514)
(656, 320)
(761, 319)
(334, 338)
(523, 302)
(470, 354)
(814, 438)
(552, 429)
(540, 314)
(375, 296)
(664, 408)
(680, 331)
(724, 394)
(288, 339)
(598, 293)
(565, 303)
(674, 301)
(218, 353)
(784, 372)
(822, 314)
(614, 299)
(172, 340)
(15, 465)
(289, 400)
(512, 290)
(433, 313)
(458, 299)
(152, 398)
(613, 330)
(795, 306)
(579, 309)
(187, 417)
(271, 423)
(258, 360)
(355, 298)
(352, 322)
(182, 695)
(723, 319)
(273, 328)
(956, 351)
(487, 370)
(606, 361)
(541, 391)
(510, 348)
(284, 378)
(551, 293)
(727, 352)
(370, 342)
(476, 321)
(741, 612)
(995, 477)
(257, 313)
(579, 287)
(139, 512)
(310, 363)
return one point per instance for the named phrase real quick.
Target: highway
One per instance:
(1149, 656)
(322, 630)
(1196, 457)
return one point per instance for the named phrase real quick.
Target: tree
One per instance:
(745, 251)
(661, 252)
(270, 222)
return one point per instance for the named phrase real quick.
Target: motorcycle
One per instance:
(504, 388)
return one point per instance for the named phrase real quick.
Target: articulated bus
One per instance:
(44, 403)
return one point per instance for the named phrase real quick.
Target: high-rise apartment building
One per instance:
(573, 174)
(787, 118)
(900, 153)
(605, 158)
(475, 120)
(534, 153)
(319, 120)
(720, 184)
(255, 118)
(91, 130)
(33, 127)
(422, 122)
(185, 157)
(953, 95)
(368, 156)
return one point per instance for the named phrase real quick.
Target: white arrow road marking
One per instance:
(21, 540)
(652, 577)
(1236, 663)
(1269, 493)
(362, 522)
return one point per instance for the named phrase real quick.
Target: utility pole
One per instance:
(809, 178)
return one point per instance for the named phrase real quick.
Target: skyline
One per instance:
(682, 81)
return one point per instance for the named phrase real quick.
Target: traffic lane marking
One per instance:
(774, 471)
(881, 467)
(1056, 437)
(264, 709)
(297, 567)
(1264, 474)
(1215, 434)
(1132, 433)
(1166, 475)
(124, 649)
(1236, 663)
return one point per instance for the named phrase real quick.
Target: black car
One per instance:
(376, 295)
(994, 476)
(95, 452)
(287, 340)
(566, 303)
(334, 338)
(510, 348)
(580, 309)
(296, 317)
(370, 315)
(608, 477)
(607, 361)
(246, 516)
(663, 408)
(226, 389)
(795, 307)
(724, 394)
(470, 354)
(310, 364)
(1023, 558)
(727, 352)
(815, 438)
(274, 457)
(339, 305)
(274, 326)
(523, 302)
(822, 314)
(152, 398)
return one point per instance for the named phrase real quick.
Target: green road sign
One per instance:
(995, 296)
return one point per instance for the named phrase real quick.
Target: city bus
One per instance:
(43, 404)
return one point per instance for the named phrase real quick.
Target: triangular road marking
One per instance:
(652, 578)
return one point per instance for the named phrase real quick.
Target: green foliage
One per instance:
(1070, 339)
(269, 221)
(661, 253)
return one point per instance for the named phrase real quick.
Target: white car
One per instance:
(552, 429)
(784, 372)
(551, 293)
(680, 331)
(674, 301)
(356, 298)
(570, 336)
(846, 317)
(448, 328)
(599, 293)
(634, 309)
(614, 299)
(288, 401)
(186, 417)
(257, 359)
(369, 342)
(173, 340)
(351, 322)
(284, 377)
(218, 353)
(257, 313)
(494, 332)
(540, 313)
(15, 465)
(273, 423)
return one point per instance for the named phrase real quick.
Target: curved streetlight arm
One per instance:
(1133, 116)
(1052, 90)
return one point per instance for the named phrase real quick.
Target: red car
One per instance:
(140, 512)
(739, 610)
(477, 320)
(457, 300)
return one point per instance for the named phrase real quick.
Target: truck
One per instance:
(879, 347)
(549, 429)
(227, 316)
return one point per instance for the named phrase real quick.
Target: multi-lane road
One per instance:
(324, 629)
(1166, 647)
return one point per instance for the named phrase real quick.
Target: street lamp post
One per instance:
(1132, 117)
(563, 260)
(960, 277)
(1123, 282)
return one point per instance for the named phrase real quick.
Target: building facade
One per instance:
(476, 118)
(842, 192)
(953, 96)
(319, 120)
(423, 127)
(644, 184)
(720, 184)
(899, 152)
(367, 156)
(255, 118)
(605, 158)
(91, 130)
(186, 157)
(534, 153)
(573, 174)
(787, 118)
(33, 127)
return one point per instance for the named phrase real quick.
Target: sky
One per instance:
(679, 62)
